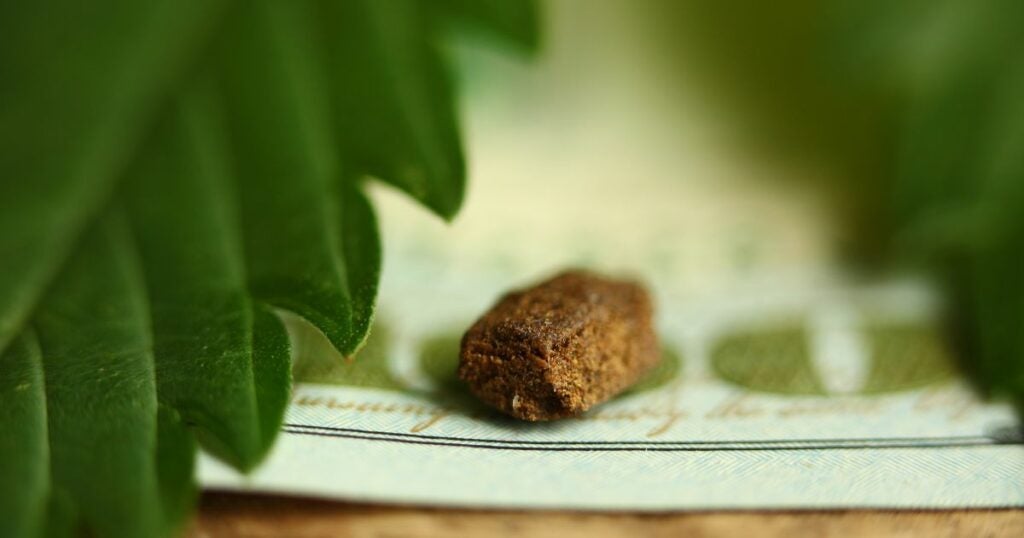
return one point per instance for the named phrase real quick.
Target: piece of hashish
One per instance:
(560, 347)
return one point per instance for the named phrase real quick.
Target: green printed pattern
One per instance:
(767, 361)
(902, 357)
(907, 357)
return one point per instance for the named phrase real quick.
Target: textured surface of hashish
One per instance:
(560, 347)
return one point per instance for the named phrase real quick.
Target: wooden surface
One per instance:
(231, 515)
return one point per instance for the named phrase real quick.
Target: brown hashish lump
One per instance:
(560, 347)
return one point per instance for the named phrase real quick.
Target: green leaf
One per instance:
(182, 202)
(993, 301)
(393, 102)
(515, 21)
(289, 177)
(935, 167)
(985, 271)
(956, 181)
(204, 164)
(101, 393)
(24, 452)
(79, 84)
(360, 245)
(175, 466)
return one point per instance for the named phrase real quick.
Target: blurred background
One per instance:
(723, 149)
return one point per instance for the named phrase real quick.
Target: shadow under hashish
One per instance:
(439, 361)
